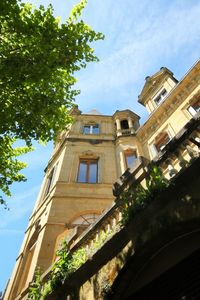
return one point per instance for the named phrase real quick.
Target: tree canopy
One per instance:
(38, 58)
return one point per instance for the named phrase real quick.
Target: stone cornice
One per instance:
(124, 114)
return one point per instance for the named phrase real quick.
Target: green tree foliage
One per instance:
(10, 166)
(67, 262)
(136, 198)
(38, 59)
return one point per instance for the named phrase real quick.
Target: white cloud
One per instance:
(140, 37)
(143, 42)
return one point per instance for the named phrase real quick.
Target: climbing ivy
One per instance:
(67, 262)
(65, 265)
(35, 291)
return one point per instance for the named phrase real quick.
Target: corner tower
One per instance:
(76, 189)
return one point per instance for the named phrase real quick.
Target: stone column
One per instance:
(153, 150)
(118, 124)
(130, 124)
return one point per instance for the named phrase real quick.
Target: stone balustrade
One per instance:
(98, 233)
(125, 132)
(181, 150)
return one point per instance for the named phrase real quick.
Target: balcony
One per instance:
(125, 132)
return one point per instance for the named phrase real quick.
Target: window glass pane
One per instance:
(130, 159)
(95, 129)
(86, 129)
(194, 108)
(82, 173)
(91, 129)
(92, 172)
(86, 219)
(130, 156)
(192, 111)
(160, 97)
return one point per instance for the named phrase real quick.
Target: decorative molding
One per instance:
(88, 153)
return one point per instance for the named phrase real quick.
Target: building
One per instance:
(77, 203)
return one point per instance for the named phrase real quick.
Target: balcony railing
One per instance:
(125, 132)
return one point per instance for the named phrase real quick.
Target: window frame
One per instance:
(160, 96)
(88, 161)
(91, 128)
(50, 180)
(161, 142)
(191, 108)
(128, 153)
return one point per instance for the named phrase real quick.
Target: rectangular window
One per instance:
(88, 171)
(50, 180)
(162, 141)
(130, 157)
(158, 99)
(194, 108)
(91, 129)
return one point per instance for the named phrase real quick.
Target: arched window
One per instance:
(85, 219)
(82, 222)
(75, 228)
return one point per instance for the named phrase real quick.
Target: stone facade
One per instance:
(87, 159)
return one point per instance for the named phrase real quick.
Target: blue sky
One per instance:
(140, 37)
